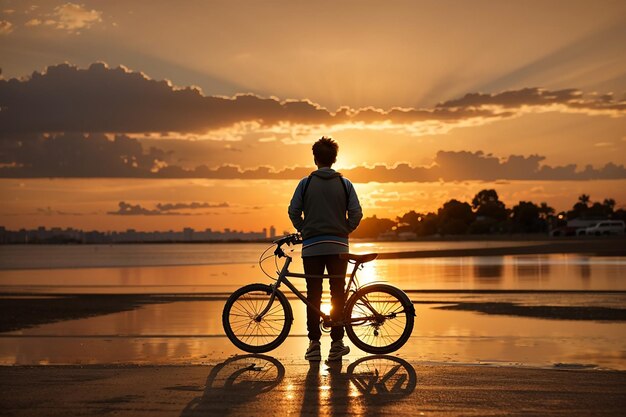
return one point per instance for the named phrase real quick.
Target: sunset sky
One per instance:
(162, 115)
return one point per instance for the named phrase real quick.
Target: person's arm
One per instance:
(355, 213)
(296, 206)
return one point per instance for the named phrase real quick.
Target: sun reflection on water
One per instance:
(369, 273)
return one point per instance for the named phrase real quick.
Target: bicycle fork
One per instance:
(274, 287)
(259, 316)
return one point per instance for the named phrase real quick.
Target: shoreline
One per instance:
(431, 238)
(590, 246)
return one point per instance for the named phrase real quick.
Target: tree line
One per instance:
(486, 214)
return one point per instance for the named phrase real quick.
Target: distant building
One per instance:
(272, 232)
(58, 235)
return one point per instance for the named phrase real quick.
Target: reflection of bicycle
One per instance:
(235, 381)
(382, 377)
(378, 318)
(247, 374)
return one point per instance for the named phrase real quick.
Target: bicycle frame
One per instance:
(282, 279)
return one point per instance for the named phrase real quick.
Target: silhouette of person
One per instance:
(325, 210)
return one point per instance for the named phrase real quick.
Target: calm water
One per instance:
(94, 256)
(225, 267)
(190, 331)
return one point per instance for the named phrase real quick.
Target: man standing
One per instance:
(331, 212)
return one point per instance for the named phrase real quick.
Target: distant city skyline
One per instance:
(57, 234)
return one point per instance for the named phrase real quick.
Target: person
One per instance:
(331, 211)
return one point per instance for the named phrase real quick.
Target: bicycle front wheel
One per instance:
(380, 318)
(243, 324)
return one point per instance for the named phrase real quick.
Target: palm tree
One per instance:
(545, 211)
(609, 203)
(584, 199)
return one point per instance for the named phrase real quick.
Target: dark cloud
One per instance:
(164, 209)
(192, 206)
(126, 209)
(65, 98)
(48, 211)
(464, 165)
(95, 156)
(508, 99)
(102, 99)
(78, 155)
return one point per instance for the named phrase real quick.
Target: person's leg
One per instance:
(313, 265)
(337, 266)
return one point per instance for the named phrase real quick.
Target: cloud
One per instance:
(98, 155)
(72, 17)
(78, 155)
(6, 27)
(449, 166)
(127, 209)
(192, 206)
(465, 165)
(48, 211)
(567, 100)
(33, 22)
(102, 99)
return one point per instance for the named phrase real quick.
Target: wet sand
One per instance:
(244, 386)
(544, 312)
(24, 311)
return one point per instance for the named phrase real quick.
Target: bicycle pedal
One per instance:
(325, 326)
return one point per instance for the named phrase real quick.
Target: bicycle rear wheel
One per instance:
(380, 320)
(243, 326)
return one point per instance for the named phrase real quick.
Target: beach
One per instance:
(511, 328)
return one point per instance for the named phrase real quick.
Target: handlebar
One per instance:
(292, 239)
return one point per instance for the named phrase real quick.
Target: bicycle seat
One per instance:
(359, 258)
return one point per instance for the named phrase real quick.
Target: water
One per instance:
(195, 268)
(105, 256)
(189, 330)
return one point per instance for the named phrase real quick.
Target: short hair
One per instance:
(325, 151)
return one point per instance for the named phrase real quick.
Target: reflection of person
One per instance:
(331, 212)
(326, 393)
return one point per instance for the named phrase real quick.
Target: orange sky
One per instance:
(252, 205)
(471, 95)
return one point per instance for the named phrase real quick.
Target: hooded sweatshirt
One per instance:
(331, 212)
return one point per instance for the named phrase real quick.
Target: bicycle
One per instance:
(378, 318)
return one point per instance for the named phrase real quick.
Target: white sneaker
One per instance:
(313, 353)
(337, 350)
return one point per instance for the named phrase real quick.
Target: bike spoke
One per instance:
(244, 312)
(382, 318)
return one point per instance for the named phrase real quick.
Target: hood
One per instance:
(326, 174)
